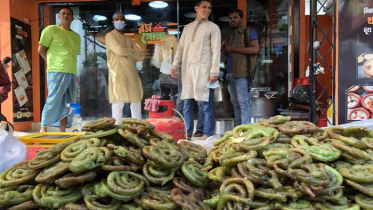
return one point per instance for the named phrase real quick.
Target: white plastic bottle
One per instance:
(77, 123)
(77, 119)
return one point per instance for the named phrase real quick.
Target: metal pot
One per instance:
(262, 108)
(223, 125)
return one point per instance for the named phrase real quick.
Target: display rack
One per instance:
(315, 27)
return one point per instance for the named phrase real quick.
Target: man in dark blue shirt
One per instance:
(242, 55)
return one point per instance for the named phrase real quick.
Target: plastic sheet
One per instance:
(363, 123)
(12, 150)
(208, 143)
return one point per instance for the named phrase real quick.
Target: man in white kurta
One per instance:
(124, 82)
(198, 56)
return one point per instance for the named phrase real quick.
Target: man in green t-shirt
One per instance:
(59, 46)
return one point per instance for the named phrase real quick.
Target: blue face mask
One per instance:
(213, 85)
(119, 24)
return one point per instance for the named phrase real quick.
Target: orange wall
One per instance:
(20, 10)
(6, 106)
(242, 5)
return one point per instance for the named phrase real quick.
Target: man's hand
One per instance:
(225, 45)
(173, 72)
(225, 42)
(213, 79)
(228, 48)
(43, 51)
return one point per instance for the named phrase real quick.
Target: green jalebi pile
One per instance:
(128, 166)
(275, 164)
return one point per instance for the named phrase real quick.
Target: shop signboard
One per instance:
(150, 34)
(355, 61)
(21, 71)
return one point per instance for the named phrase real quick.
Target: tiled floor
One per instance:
(36, 129)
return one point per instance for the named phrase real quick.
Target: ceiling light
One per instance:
(99, 18)
(132, 17)
(190, 15)
(224, 19)
(267, 61)
(173, 32)
(158, 4)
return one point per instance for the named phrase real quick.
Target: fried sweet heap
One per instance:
(275, 164)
